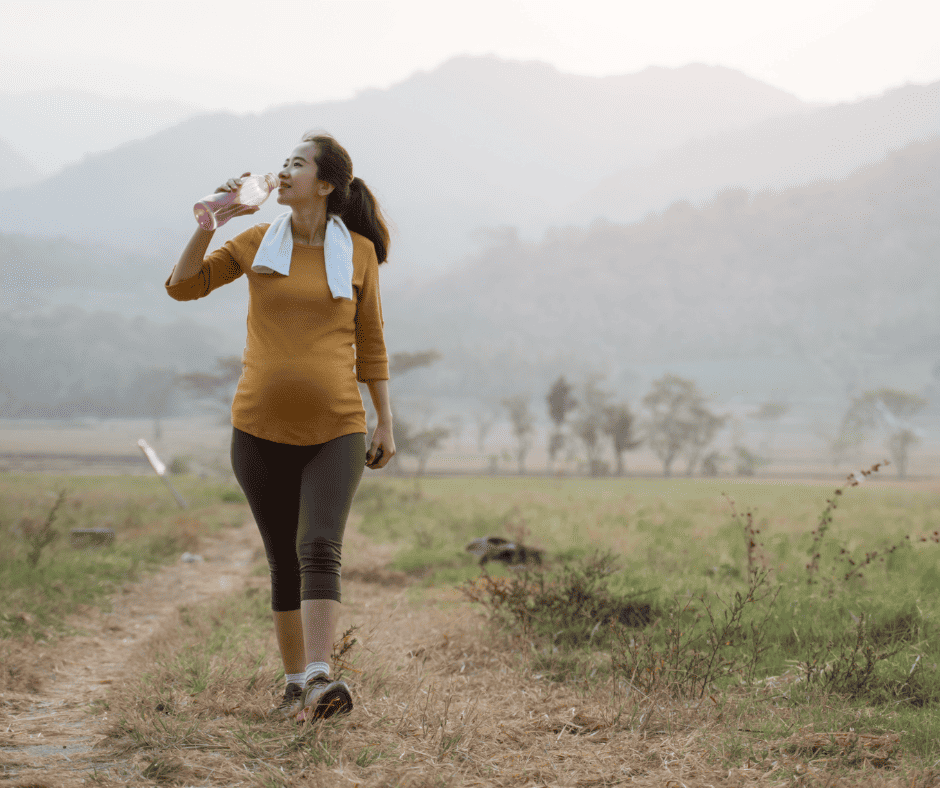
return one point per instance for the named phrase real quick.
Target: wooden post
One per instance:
(160, 468)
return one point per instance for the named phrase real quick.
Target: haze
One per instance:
(746, 197)
(244, 56)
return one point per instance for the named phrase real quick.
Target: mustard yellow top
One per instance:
(305, 350)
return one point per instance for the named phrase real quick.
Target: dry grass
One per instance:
(18, 668)
(443, 700)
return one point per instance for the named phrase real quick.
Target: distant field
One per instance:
(679, 527)
(95, 446)
(110, 446)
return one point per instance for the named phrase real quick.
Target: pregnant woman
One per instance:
(315, 327)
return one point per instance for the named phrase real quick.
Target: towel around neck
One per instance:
(277, 246)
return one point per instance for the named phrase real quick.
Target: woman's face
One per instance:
(298, 177)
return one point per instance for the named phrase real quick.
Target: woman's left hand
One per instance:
(382, 448)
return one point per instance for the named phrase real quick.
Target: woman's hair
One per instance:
(350, 199)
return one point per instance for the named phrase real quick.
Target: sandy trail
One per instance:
(47, 738)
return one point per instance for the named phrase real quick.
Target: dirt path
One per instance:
(47, 738)
(427, 704)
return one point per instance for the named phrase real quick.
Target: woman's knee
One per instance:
(320, 569)
(320, 556)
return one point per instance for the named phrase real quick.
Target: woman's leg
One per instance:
(329, 482)
(270, 474)
(320, 617)
(288, 628)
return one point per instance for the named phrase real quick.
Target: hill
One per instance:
(476, 142)
(480, 143)
(813, 292)
(807, 294)
(829, 142)
(67, 361)
(55, 127)
(15, 169)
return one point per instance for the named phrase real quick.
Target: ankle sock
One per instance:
(295, 678)
(316, 667)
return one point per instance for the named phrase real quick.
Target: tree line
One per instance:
(675, 421)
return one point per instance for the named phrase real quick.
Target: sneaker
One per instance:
(290, 703)
(323, 698)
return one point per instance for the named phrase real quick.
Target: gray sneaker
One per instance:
(323, 698)
(290, 703)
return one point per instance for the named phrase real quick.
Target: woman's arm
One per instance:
(382, 438)
(193, 255)
(195, 252)
(378, 389)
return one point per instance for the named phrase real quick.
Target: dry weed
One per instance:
(19, 671)
(442, 699)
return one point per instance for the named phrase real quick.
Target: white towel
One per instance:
(273, 256)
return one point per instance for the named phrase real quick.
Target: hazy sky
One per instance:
(250, 55)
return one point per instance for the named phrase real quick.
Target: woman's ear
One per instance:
(324, 189)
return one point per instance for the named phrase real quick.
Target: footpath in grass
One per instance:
(44, 579)
(739, 665)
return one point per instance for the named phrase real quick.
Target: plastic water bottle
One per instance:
(216, 209)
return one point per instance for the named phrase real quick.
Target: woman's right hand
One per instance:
(232, 185)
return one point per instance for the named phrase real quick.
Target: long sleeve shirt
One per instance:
(305, 350)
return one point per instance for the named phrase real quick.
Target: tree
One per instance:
(560, 404)
(678, 420)
(400, 363)
(589, 425)
(485, 417)
(522, 425)
(455, 427)
(711, 464)
(746, 462)
(618, 424)
(890, 410)
(410, 441)
(418, 444)
(702, 430)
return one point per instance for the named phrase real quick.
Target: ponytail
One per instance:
(362, 214)
(350, 199)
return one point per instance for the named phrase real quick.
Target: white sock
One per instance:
(295, 678)
(316, 667)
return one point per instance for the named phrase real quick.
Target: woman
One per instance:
(298, 450)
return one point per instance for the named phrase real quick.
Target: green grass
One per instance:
(871, 641)
(676, 530)
(149, 527)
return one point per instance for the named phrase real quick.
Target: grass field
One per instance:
(783, 639)
(43, 580)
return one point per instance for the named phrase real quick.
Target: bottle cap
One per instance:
(272, 181)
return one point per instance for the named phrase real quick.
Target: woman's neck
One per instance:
(308, 225)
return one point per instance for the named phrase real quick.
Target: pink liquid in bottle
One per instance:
(216, 209)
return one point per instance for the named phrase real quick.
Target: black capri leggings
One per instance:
(300, 497)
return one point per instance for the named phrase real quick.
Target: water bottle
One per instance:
(215, 210)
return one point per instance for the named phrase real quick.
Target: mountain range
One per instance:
(52, 128)
(689, 220)
(777, 153)
(15, 168)
(815, 292)
(478, 142)
(810, 294)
